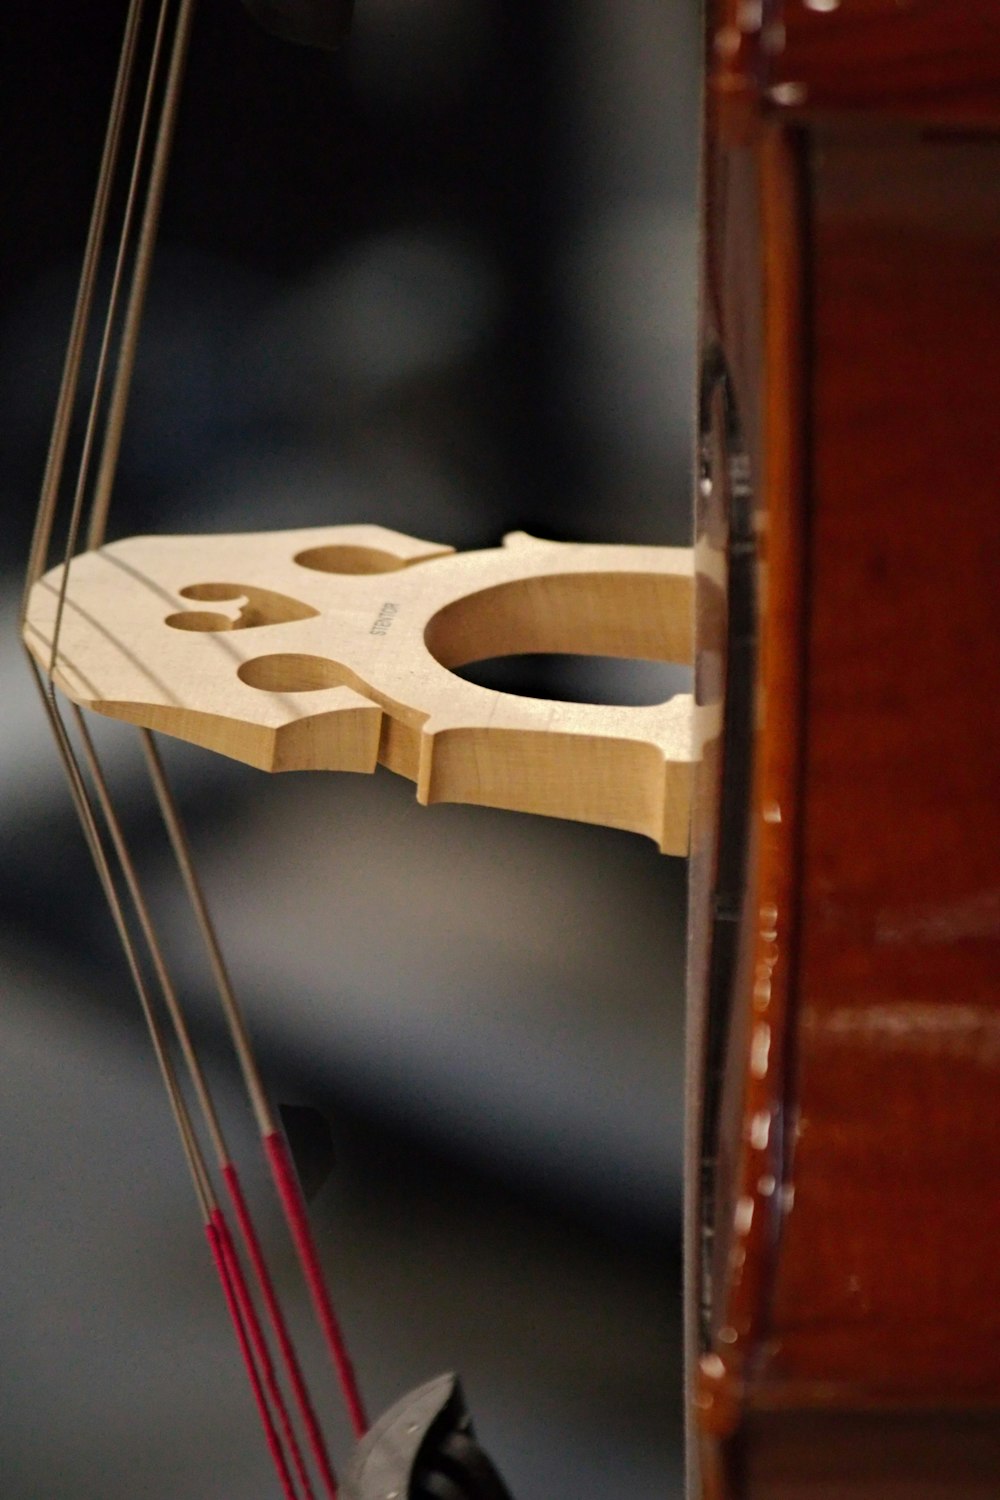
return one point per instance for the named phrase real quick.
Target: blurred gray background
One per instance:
(444, 282)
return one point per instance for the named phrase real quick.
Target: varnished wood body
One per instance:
(851, 1346)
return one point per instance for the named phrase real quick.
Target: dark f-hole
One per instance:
(609, 680)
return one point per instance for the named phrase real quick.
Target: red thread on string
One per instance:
(273, 1442)
(259, 1344)
(280, 1327)
(293, 1204)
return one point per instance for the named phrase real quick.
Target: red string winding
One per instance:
(273, 1442)
(277, 1320)
(259, 1344)
(292, 1202)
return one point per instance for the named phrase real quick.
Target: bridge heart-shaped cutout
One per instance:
(252, 607)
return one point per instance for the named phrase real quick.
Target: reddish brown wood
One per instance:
(928, 61)
(808, 1455)
(752, 310)
(852, 280)
(898, 1030)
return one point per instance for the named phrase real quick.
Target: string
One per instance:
(262, 1356)
(230, 1276)
(234, 1283)
(140, 276)
(225, 1274)
(226, 1165)
(108, 329)
(313, 1430)
(69, 383)
(83, 470)
(275, 1148)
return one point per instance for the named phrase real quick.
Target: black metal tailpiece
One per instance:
(423, 1448)
(313, 23)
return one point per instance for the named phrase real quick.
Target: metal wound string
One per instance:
(236, 1291)
(83, 470)
(140, 276)
(96, 232)
(227, 1166)
(275, 1148)
(247, 1327)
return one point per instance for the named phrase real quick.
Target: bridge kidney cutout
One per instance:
(296, 672)
(340, 558)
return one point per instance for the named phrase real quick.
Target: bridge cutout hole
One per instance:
(610, 681)
(294, 672)
(338, 558)
(200, 619)
(611, 639)
(254, 606)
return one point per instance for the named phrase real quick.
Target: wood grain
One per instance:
(850, 1341)
(897, 1131)
(332, 649)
